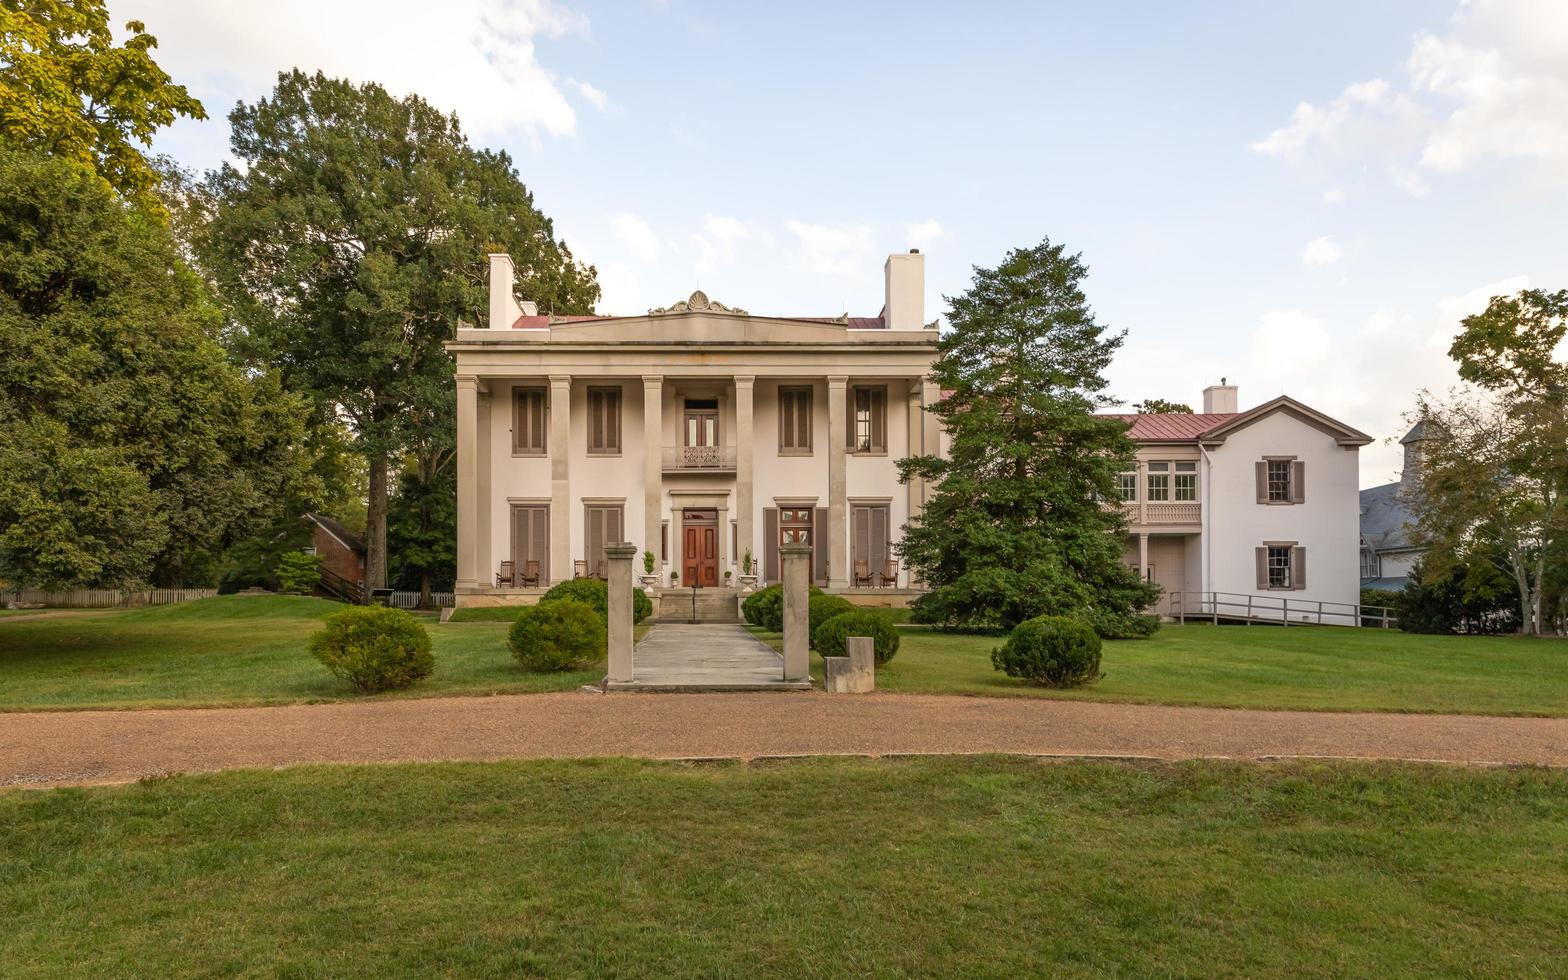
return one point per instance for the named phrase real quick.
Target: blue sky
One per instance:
(1303, 198)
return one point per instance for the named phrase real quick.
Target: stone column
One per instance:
(917, 488)
(743, 479)
(796, 572)
(484, 559)
(931, 426)
(467, 482)
(653, 461)
(838, 493)
(619, 558)
(1143, 556)
(560, 477)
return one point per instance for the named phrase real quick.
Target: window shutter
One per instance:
(1260, 470)
(862, 549)
(538, 412)
(879, 543)
(541, 549)
(1298, 482)
(770, 545)
(819, 544)
(617, 518)
(1262, 555)
(1298, 568)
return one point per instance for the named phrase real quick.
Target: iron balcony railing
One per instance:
(707, 459)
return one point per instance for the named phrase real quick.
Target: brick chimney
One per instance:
(905, 275)
(504, 308)
(1219, 399)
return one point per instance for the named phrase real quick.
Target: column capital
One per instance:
(651, 380)
(838, 380)
(468, 381)
(744, 380)
(559, 380)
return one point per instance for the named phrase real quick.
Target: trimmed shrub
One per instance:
(563, 634)
(751, 608)
(595, 593)
(1121, 626)
(821, 608)
(765, 607)
(374, 648)
(829, 636)
(1053, 651)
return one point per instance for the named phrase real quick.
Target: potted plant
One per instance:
(649, 579)
(727, 575)
(675, 580)
(748, 573)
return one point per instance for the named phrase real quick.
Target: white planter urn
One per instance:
(748, 584)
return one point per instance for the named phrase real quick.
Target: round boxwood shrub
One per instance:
(374, 648)
(765, 607)
(595, 593)
(563, 634)
(1054, 651)
(821, 608)
(828, 637)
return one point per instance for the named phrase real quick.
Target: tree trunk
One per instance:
(376, 524)
(424, 589)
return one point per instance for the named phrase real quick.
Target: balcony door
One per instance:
(700, 547)
(700, 448)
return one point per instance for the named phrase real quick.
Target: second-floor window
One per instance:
(1159, 482)
(868, 428)
(795, 421)
(1279, 481)
(1127, 484)
(1185, 481)
(604, 421)
(530, 421)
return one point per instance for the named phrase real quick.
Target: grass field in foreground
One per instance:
(228, 650)
(1309, 667)
(832, 867)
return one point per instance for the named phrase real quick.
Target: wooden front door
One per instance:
(700, 548)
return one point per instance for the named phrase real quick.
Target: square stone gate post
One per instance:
(796, 572)
(619, 558)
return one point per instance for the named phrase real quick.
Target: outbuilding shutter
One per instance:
(770, 545)
(1298, 568)
(1263, 567)
(1260, 471)
(1298, 482)
(819, 545)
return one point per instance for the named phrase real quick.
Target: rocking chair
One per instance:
(506, 577)
(862, 573)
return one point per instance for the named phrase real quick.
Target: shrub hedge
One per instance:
(765, 607)
(821, 608)
(1053, 651)
(595, 593)
(829, 636)
(374, 648)
(562, 634)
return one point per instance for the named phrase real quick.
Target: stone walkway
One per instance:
(705, 657)
(82, 747)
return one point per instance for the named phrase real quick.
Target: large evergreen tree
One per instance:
(1019, 524)
(350, 244)
(133, 448)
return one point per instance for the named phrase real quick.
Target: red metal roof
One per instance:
(1174, 427)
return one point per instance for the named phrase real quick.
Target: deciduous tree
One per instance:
(352, 242)
(67, 90)
(1018, 524)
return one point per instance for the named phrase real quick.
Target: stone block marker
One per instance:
(619, 558)
(796, 573)
(854, 673)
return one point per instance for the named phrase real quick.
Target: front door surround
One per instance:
(700, 547)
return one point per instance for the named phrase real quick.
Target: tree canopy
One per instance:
(1018, 524)
(1159, 406)
(133, 444)
(67, 90)
(351, 243)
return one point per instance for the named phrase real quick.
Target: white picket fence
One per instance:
(410, 600)
(101, 598)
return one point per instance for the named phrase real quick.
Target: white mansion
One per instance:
(706, 435)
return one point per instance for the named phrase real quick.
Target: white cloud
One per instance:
(595, 96)
(473, 57)
(1455, 308)
(833, 249)
(1494, 87)
(635, 233)
(1321, 251)
(718, 242)
(1334, 195)
(924, 234)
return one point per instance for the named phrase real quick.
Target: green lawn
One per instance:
(228, 650)
(832, 867)
(1326, 668)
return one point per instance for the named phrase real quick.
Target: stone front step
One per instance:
(712, 606)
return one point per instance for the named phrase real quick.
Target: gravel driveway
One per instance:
(84, 747)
